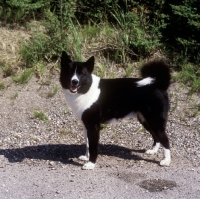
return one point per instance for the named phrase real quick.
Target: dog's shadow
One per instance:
(65, 153)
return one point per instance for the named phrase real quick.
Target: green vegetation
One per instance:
(52, 93)
(129, 70)
(2, 86)
(7, 71)
(39, 69)
(103, 126)
(195, 113)
(197, 106)
(24, 77)
(40, 115)
(64, 132)
(190, 74)
(117, 31)
(14, 96)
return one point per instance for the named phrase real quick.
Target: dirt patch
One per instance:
(130, 177)
(155, 185)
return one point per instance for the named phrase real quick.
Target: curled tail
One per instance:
(158, 70)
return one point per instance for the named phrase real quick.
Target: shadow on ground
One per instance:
(65, 153)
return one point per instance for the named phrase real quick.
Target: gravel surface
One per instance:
(38, 159)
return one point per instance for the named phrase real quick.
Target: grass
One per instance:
(113, 45)
(129, 70)
(195, 113)
(196, 110)
(2, 86)
(24, 77)
(14, 96)
(197, 106)
(66, 110)
(39, 69)
(79, 41)
(103, 126)
(52, 93)
(174, 107)
(40, 115)
(64, 132)
(101, 70)
(189, 74)
(8, 70)
(35, 139)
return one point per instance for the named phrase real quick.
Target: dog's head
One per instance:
(76, 76)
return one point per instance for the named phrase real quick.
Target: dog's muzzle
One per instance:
(74, 86)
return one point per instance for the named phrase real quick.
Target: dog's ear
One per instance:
(90, 64)
(65, 59)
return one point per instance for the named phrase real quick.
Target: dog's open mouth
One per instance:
(74, 89)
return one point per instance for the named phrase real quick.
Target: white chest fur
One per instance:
(80, 102)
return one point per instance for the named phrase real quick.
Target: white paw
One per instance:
(154, 149)
(165, 162)
(88, 166)
(150, 152)
(83, 158)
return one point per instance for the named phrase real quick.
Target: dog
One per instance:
(95, 101)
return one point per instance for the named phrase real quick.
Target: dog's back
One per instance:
(118, 97)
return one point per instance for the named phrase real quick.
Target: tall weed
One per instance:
(135, 34)
(190, 74)
(24, 77)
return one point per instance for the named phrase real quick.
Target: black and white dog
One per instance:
(95, 101)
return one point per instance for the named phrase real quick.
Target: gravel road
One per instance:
(38, 159)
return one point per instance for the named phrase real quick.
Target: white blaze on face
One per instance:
(145, 81)
(75, 77)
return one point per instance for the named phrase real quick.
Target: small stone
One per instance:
(51, 163)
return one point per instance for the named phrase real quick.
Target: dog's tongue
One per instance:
(73, 89)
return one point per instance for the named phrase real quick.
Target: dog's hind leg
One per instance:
(164, 141)
(87, 154)
(166, 161)
(162, 137)
(156, 143)
(156, 126)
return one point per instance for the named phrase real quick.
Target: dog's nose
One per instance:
(74, 82)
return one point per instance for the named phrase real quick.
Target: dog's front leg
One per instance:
(87, 154)
(93, 139)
